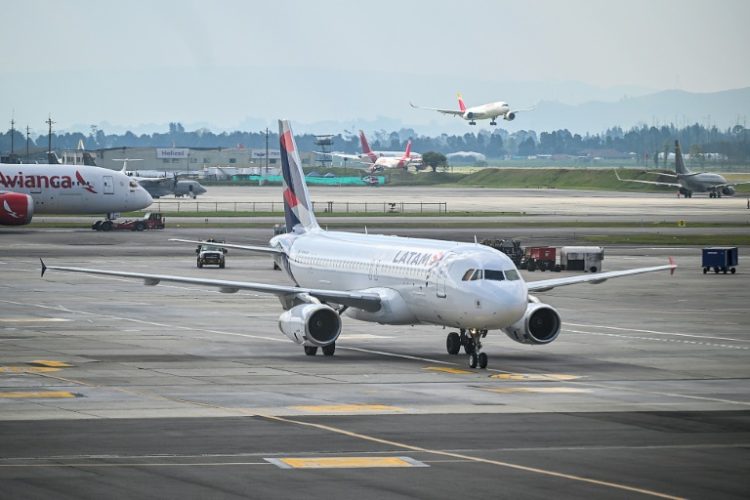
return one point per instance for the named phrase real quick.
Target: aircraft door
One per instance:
(109, 184)
(441, 274)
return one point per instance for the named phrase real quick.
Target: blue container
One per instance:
(720, 259)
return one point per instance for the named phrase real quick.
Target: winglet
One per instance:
(44, 268)
(674, 266)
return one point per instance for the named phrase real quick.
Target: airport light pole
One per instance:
(12, 133)
(266, 160)
(49, 134)
(27, 143)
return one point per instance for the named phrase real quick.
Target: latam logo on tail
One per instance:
(44, 181)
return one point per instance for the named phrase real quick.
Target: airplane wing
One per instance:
(455, 112)
(654, 183)
(340, 155)
(595, 278)
(252, 248)
(361, 300)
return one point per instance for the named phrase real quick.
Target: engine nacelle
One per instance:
(311, 324)
(509, 116)
(469, 115)
(16, 209)
(539, 325)
(728, 190)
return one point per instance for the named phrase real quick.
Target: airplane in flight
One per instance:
(26, 189)
(489, 111)
(161, 185)
(689, 182)
(388, 280)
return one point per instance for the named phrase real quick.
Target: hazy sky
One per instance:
(153, 61)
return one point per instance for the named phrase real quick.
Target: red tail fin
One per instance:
(461, 104)
(407, 154)
(366, 147)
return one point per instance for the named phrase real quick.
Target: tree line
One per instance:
(644, 141)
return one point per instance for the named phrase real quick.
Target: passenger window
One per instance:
(491, 274)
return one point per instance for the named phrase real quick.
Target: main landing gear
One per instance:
(472, 122)
(493, 122)
(470, 340)
(328, 350)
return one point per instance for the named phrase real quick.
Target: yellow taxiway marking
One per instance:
(534, 377)
(346, 408)
(344, 462)
(50, 363)
(446, 369)
(27, 369)
(36, 395)
(542, 390)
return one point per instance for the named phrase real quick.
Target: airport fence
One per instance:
(400, 207)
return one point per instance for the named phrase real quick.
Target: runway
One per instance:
(110, 388)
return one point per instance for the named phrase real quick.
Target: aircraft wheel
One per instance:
(329, 349)
(222, 265)
(473, 360)
(453, 343)
(724, 270)
(705, 270)
(200, 264)
(482, 360)
(733, 270)
(311, 350)
(716, 270)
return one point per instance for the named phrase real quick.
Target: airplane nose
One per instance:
(144, 197)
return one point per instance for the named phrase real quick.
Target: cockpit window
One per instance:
(491, 274)
(512, 275)
(467, 275)
(478, 274)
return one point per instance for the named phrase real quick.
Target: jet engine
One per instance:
(16, 209)
(469, 115)
(510, 116)
(728, 190)
(311, 324)
(539, 325)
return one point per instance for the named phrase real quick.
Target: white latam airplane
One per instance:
(483, 112)
(388, 280)
(26, 189)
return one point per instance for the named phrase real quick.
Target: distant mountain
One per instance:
(723, 109)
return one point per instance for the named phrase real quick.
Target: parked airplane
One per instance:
(26, 189)
(489, 111)
(388, 280)
(162, 185)
(688, 182)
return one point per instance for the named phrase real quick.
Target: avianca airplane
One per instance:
(26, 189)
(688, 182)
(388, 280)
(486, 111)
(379, 160)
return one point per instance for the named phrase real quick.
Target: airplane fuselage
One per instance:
(422, 281)
(486, 111)
(74, 189)
(702, 182)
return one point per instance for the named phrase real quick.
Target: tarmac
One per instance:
(109, 388)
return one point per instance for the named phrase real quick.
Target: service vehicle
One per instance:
(722, 259)
(152, 220)
(211, 255)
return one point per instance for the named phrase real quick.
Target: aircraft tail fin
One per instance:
(366, 147)
(461, 104)
(679, 163)
(298, 209)
(407, 153)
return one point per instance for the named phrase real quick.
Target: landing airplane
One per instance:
(158, 186)
(388, 280)
(688, 182)
(489, 111)
(26, 189)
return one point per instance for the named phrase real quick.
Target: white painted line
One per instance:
(654, 332)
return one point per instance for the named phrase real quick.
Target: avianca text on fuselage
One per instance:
(20, 180)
